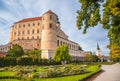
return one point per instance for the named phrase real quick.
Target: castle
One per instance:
(42, 33)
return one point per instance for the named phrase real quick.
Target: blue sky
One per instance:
(13, 10)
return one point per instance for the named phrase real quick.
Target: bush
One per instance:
(62, 71)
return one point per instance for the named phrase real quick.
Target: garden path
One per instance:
(110, 73)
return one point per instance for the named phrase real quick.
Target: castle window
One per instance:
(22, 37)
(37, 44)
(32, 31)
(24, 25)
(18, 32)
(33, 24)
(28, 32)
(19, 26)
(57, 42)
(50, 17)
(28, 25)
(37, 37)
(32, 37)
(38, 31)
(43, 27)
(14, 33)
(27, 37)
(23, 32)
(18, 38)
(50, 25)
(38, 23)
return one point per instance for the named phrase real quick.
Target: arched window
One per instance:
(27, 37)
(50, 17)
(50, 25)
(57, 42)
(28, 32)
(28, 25)
(32, 31)
(37, 37)
(23, 32)
(38, 23)
(23, 25)
(18, 32)
(14, 33)
(32, 37)
(33, 24)
(38, 31)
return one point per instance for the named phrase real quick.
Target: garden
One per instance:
(67, 72)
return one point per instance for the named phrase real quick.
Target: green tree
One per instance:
(95, 58)
(89, 58)
(89, 15)
(80, 48)
(16, 51)
(62, 54)
(34, 54)
(115, 53)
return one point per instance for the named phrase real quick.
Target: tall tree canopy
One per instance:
(62, 54)
(16, 51)
(89, 16)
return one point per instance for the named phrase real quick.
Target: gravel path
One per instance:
(110, 73)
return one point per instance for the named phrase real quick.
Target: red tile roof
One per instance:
(49, 11)
(2, 54)
(30, 19)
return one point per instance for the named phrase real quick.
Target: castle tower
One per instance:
(48, 35)
(98, 51)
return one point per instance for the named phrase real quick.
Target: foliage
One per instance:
(92, 69)
(7, 61)
(89, 16)
(91, 58)
(80, 48)
(16, 51)
(115, 53)
(63, 71)
(25, 71)
(62, 54)
(34, 54)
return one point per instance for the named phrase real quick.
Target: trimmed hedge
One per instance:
(12, 61)
(12, 77)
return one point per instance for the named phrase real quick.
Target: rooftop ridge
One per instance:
(30, 19)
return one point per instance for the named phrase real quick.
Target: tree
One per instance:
(95, 58)
(89, 58)
(80, 48)
(16, 51)
(34, 54)
(62, 54)
(89, 15)
(115, 53)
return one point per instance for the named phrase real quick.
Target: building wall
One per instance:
(5, 48)
(42, 33)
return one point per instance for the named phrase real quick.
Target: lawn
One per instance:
(9, 80)
(93, 69)
(9, 72)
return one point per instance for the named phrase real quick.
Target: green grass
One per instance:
(7, 73)
(9, 80)
(93, 69)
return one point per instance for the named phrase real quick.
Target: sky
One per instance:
(12, 11)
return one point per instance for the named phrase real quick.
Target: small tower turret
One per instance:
(49, 35)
